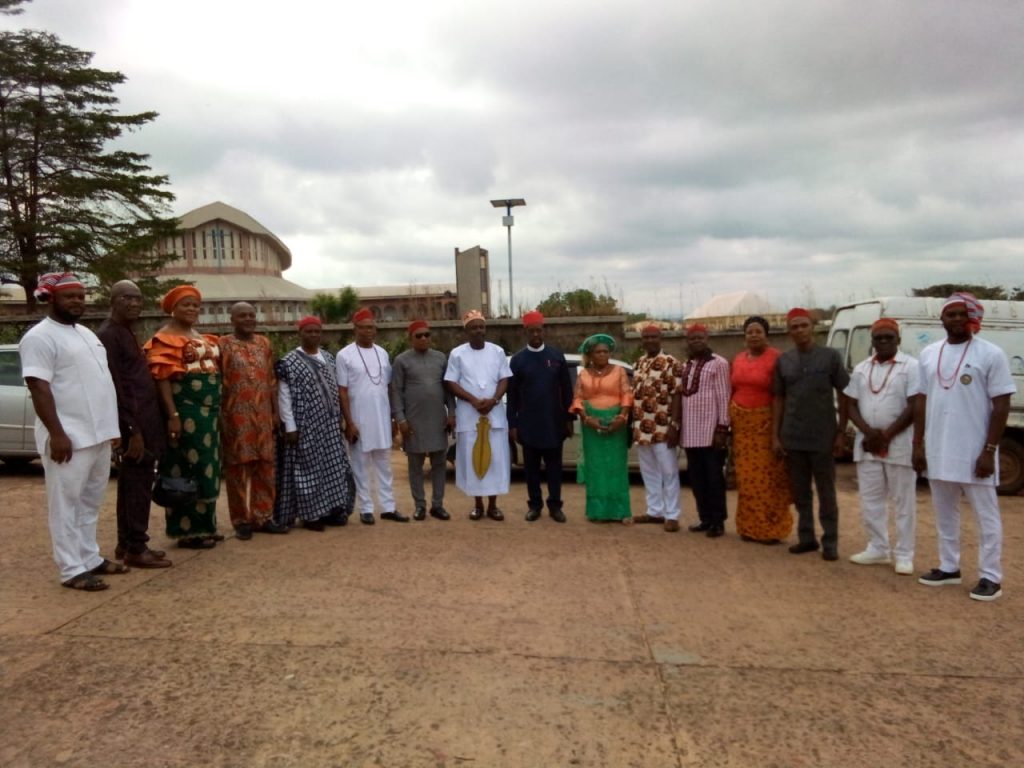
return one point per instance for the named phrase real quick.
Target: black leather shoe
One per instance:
(367, 518)
(394, 517)
(440, 513)
(829, 554)
(714, 531)
(243, 531)
(476, 514)
(314, 525)
(271, 527)
(419, 514)
(338, 519)
(804, 546)
(557, 515)
(699, 528)
(532, 515)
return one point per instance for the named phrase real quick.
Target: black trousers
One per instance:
(134, 496)
(705, 468)
(819, 466)
(552, 458)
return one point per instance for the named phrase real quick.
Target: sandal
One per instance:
(110, 568)
(195, 542)
(476, 514)
(86, 582)
(627, 521)
(648, 519)
(495, 514)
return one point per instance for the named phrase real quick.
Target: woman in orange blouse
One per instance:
(762, 512)
(603, 400)
(185, 364)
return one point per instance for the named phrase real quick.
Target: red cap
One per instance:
(309, 320)
(533, 317)
(362, 315)
(416, 325)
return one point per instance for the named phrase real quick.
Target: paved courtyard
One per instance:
(506, 644)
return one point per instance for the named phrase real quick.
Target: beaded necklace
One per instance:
(691, 389)
(938, 366)
(871, 375)
(380, 366)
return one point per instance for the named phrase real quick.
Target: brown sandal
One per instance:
(639, 519)
(86, 582)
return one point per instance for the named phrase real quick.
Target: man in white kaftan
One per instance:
(880, 403)
(65, 369)
(478, 374)
(364, 375)
(967, 386)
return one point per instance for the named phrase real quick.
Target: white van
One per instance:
(920, 326)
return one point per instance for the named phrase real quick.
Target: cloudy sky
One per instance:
(814, 151)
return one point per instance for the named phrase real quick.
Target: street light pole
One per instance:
(507, 221)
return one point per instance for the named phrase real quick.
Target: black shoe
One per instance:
(440, 513)
(829, 554)
(394, 517)
(938, 578)
(532, 515)
(557, 515)
(271, 527)
(196, 542)
(338, 519)
(803, 546)
(419, 514)
(714, 531)
(215, 537)
(699, 528)
(315, 525)
(243, 531)
(986, 590)
(366, 518)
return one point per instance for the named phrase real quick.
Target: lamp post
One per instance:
(508, 221)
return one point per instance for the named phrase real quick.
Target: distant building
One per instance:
(231, 257)
(473, 280)
(727, 311)
(401, 303)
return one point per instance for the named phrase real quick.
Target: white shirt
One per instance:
(366, 372)
(284, 395)
(74, 362)
(478, 371)
(896, 381)
(956, 424)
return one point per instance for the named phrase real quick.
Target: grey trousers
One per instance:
(819, 466)
(437, 470)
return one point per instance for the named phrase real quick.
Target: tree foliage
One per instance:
(993, 292)
(578, 303)
(68, 200)
(335, 308)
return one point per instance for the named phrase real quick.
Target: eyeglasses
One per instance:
(422, 335)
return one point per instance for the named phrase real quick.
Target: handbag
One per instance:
(175, 491)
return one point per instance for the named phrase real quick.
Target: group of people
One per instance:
(307, 439)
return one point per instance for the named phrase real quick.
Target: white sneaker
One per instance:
(904, 567)
(866, 558)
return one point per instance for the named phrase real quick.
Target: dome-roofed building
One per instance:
(728, 310)
(231, 257)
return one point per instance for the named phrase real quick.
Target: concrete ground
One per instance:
(506, 644)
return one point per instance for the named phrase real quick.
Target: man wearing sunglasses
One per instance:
(425, 413)
(881, 396)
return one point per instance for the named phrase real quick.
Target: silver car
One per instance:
(17, 417)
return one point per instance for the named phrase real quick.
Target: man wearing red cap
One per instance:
(880, 403)
(656, 378)
(425, 413)
(700, 408)
(364, 377)
(958, 424)
(314, 479)
(805, 430)
(65, 369)
(539, 396)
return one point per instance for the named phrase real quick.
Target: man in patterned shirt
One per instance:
(701, 405)
(656, 377)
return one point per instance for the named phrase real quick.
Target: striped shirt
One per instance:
(708, 407)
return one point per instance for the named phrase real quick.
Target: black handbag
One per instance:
(174, 492)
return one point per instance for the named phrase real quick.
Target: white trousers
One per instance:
(880, 482)
(372, 468)
(659, 467)
(982, 498)
(74, 493)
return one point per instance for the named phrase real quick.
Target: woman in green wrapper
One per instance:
(603, 400)
(186, 366)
